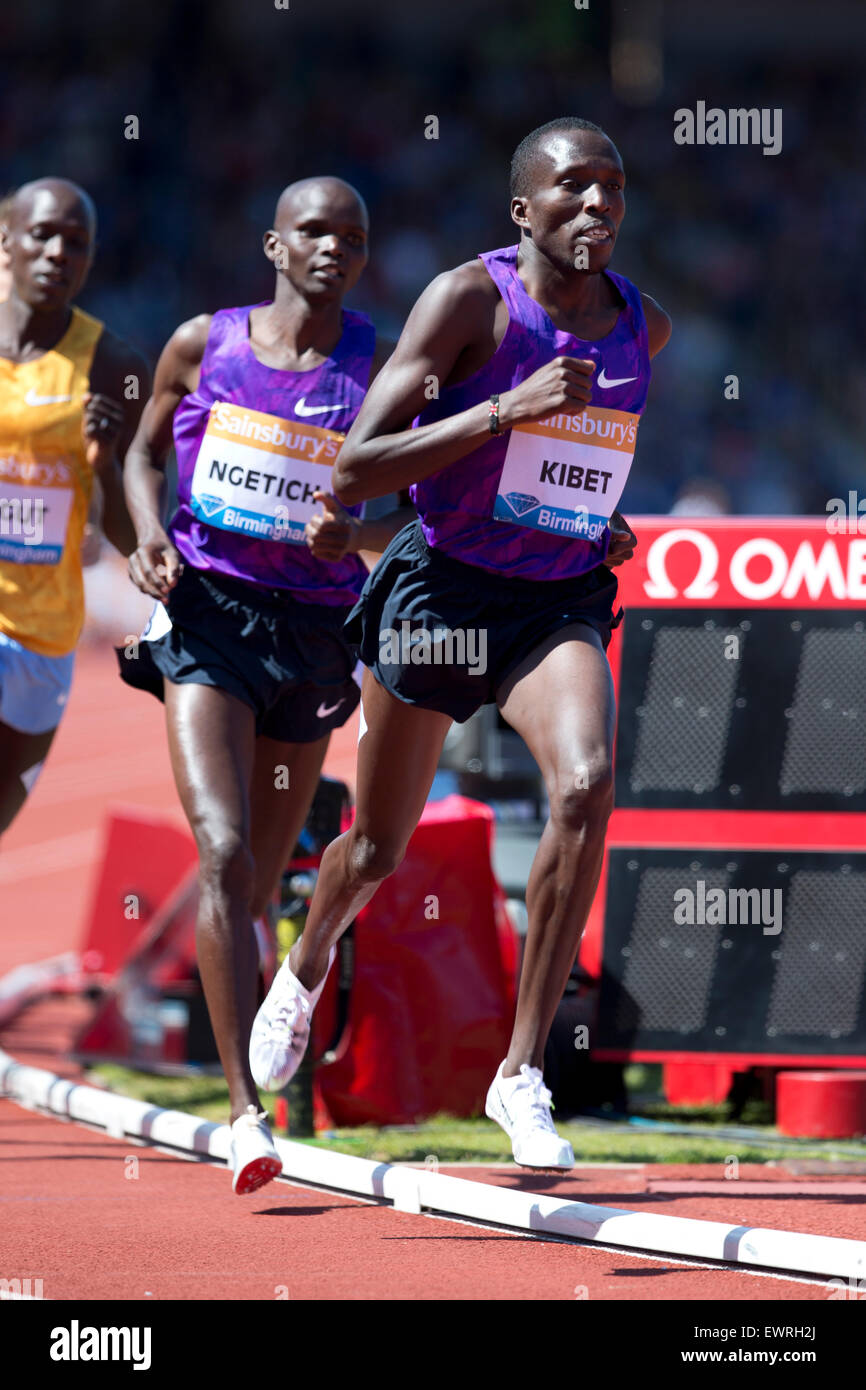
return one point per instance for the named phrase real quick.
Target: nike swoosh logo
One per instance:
(323, 712)
(606, 382)
(32, 399)
(303, 409)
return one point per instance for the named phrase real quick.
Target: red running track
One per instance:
(94, 1217)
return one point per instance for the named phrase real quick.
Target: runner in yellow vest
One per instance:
(5, 275)
(71, 394)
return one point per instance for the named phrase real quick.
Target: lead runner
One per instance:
(543, 359)
(245, 645)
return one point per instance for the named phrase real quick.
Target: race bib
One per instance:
(33, 529)
(256, 474)
(565, 475)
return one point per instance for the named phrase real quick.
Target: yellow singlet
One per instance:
(45, 489)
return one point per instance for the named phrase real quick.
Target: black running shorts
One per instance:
(290, 662)
(443, 635)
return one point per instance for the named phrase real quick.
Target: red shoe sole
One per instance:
(255, 1175)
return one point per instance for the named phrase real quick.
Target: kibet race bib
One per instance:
(565, 475)
(256, 474)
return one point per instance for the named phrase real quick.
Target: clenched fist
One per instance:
(622, 541)
(155, 567)
(335, 532)
(563, 384)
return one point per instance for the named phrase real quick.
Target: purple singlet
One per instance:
(253, 443)
(534, 501)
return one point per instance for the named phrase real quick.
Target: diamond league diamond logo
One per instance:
(521, 502)
(210, 505)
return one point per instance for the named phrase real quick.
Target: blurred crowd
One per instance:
(752, 255)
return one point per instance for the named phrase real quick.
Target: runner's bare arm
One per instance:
(455, 313)
(384, 350)
(119, 385)
(155, 564)
(91, 540)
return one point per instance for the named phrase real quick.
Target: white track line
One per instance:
(681, 1261)
(414, 1189)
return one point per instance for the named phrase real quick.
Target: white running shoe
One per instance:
(252, 1155)
(521, 1105)
(281, 1030)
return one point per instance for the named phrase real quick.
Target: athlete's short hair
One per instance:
(524, 156)
(9, 201)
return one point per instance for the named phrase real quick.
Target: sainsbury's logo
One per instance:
(291, 438)
(613, 428)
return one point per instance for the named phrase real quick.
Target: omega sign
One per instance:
(779, 562)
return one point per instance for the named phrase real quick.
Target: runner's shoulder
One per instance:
(181, 358)
(464, 298)
(468, 284)
(189, 340)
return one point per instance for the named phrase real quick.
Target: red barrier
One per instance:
(697, 1083)
(153, 1014)
(434, 984)
(821, 1104)
(144, 859)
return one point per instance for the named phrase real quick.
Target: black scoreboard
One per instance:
(729, 923)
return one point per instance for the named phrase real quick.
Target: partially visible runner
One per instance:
(543, 356)
(5, 272)
(254, 582)
(71, 398)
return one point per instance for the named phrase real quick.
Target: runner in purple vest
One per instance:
(253, 582)
(503, 590)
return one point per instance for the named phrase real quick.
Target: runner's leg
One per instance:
(561, 701)
(278, 812)
(397, 759)
(21, 756)
(211, 737)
